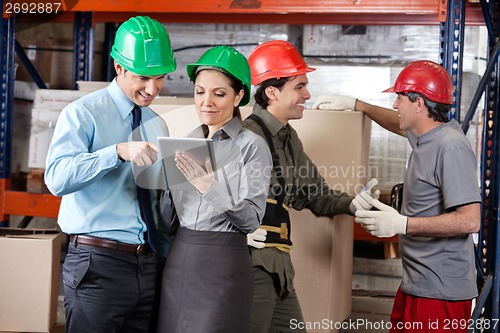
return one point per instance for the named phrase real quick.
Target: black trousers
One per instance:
(107, 291)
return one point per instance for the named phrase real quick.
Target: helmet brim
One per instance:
(267, 76)
(191, 70)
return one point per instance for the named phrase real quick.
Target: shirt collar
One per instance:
(121, 101)
(271, 122)
(229, 130)
(431, 135)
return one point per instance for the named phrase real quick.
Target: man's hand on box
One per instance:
(335, 102)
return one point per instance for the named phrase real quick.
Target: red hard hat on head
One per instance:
(276, 59)
(427, 78)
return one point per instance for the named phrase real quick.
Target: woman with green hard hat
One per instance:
(112, 271)
(208, 282)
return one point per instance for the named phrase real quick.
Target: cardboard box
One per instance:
(338, 142)
(47, 106)
(55, 99)
(29, 279)
(90, 86)
(25, 90)
(43, 122)
(21, 135)
(35, 181)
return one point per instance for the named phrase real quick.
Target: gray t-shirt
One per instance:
(441, 175)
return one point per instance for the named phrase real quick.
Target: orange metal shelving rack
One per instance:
(28, 204)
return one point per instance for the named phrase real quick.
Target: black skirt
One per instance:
(207, 284)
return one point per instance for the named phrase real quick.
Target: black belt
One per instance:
(137, 249)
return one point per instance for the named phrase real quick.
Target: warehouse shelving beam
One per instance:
(29, 66)
(83, 40)
(488, 249)
(108, 68)
(452, 45)
(7, 101)
(7, 95)
(483, 84)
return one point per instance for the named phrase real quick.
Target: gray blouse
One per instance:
(237, 199)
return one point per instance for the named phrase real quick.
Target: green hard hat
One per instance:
(142, 46)
(229, 60)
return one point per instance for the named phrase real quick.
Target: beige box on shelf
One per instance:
(55, 99)
(21, 135)
(90, 86)
(47, 106)
(25, 90)
(43, 122)
(29, 279)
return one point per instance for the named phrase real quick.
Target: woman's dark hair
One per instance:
(437, 111)
(260, 95)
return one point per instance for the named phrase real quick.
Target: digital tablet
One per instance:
(198, 149)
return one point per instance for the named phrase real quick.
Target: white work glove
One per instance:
(257, 238)
(386, 222)
(364, 199)
(335, 102)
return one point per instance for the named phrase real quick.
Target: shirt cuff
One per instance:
(108, 157)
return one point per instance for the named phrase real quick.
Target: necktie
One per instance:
(285, 135)
(142, 193)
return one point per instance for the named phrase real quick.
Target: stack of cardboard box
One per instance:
(47, 106)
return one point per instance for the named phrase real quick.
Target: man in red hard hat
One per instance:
(441, 202)
(280, 75)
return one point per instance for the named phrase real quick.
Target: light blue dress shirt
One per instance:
(99, 195)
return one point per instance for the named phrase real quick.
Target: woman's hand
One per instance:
(202, 179)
